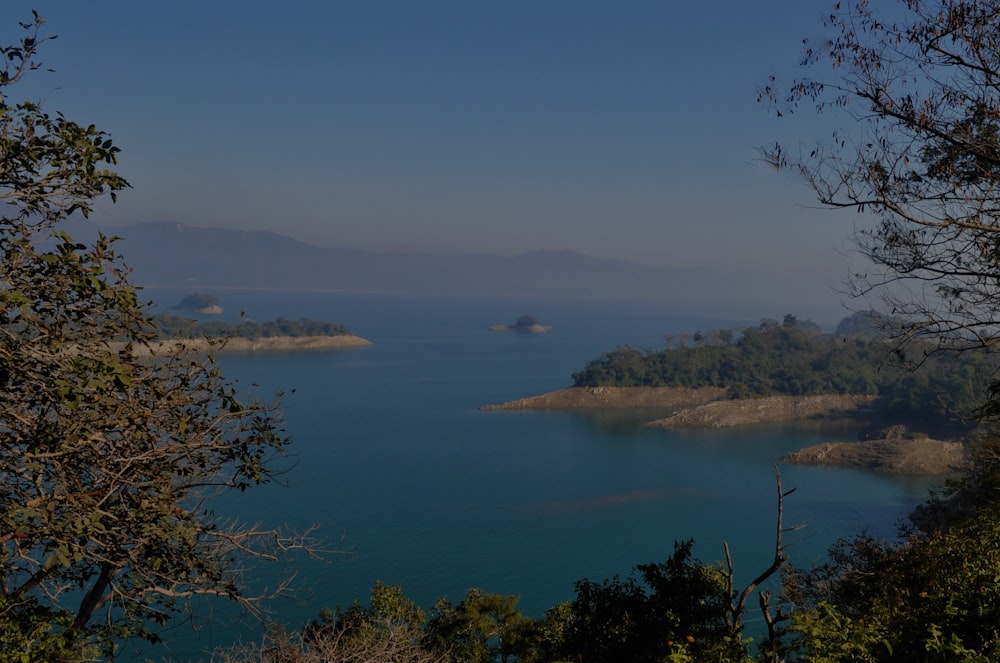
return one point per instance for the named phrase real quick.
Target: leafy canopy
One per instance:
(108, 461)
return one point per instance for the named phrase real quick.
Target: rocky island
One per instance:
(526, 324)
(199, 303)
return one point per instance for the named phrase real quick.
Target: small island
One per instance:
(526, 324)
(199, 303)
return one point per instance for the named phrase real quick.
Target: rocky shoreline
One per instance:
(740, 412)
(892, 455)
(264, 344)
(709, 407)
(588, 398)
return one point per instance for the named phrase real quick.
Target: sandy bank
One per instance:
(739, 412)
(583, 398)
(266, 344)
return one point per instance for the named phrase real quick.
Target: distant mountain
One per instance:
(166, 254)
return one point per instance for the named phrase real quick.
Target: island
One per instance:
(199, 303)
(903, 421)
(173, 332)
(526, 324)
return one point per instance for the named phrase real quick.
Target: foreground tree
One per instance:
(107, 460)
(920, 85)
(482, 628)
(921, 89)
(931, 597)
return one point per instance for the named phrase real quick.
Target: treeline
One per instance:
(175, 326)
(664, 610)
(796, 359)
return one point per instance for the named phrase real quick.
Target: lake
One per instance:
(415, 486)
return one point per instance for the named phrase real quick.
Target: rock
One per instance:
(892, 456)
(739, 412)
(199, 303)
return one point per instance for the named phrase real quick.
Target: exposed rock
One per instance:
(896, 455)
(575, 398)
(897, 451)
(739, 412)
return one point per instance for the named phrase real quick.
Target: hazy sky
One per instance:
(618, 129)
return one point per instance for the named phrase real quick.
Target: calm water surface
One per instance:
(396, 463)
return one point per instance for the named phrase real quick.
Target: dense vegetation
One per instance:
(676, 610)
(174, 326)
(796, 359)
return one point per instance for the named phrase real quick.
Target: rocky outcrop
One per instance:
(739, 412)
(199, 303)
(897, 451)
(891, 455)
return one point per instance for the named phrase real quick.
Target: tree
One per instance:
(922, 157)
(482, 628)
(679, 606)
(931, 597)
(108, 460)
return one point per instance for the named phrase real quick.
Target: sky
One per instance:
(616, 129)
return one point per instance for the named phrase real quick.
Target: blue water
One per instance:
(412, 484)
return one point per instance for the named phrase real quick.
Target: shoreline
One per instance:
(708, 407)
(262, 344)
(588, 398)
(765, 409)
(888, 455)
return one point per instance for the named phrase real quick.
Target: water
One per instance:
(400, 469)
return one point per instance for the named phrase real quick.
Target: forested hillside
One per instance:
(174, 326)
(796, 359)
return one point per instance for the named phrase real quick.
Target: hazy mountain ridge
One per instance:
(168, 254)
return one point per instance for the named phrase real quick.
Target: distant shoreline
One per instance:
(262, 344)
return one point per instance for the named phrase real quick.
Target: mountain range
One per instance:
(173, 255)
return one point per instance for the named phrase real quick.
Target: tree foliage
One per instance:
(108, 461)
(166, 325)
(676, 605)
(482, 628)
(929, 597)
(785, 359)
(920, 85)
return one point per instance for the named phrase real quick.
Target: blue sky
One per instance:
(618, 129)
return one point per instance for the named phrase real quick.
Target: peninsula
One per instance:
(791, 371)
